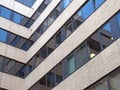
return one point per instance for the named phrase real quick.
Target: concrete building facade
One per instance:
(59, 44)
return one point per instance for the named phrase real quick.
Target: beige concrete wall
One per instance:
(14, 28)
(11, 82)
(99, 66)
(73, 41)
(12, 52)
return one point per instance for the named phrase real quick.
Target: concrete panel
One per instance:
(7, 3)
(11, 82)
(20, 30)
(111, 55)
(5, 24)
(99, 66)
(15, 53)
(3, 48)
(22, 9)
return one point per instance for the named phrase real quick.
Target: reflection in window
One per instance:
(88, 9)
(118, 18)
(17, 18)
(3, 35)
(28, 3)
(107, 27)
(98, 3)
(66, 3)
(4, 12)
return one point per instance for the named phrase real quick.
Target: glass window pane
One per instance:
(28, 3)
(6, 13)
(107, 27)
(93, 44)
(118, 19)
(88, 9)
(71, 65)
(27, 45)
(102, 86)
(17, 18)
(98, 3)
(115, 80)
(3, 35)
(81, 56)
(15, 41)
(66, 3)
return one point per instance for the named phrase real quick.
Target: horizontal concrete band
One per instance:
(12, 52)
(22, 9)
(84, 31)
(11, 82)
(98, 67)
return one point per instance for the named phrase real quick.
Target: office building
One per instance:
(59, 44)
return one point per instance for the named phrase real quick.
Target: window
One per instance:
(70, 65)
(3, 35)
(114, 80)
(6, 13)
(88, 9)
(17, 18)
(66, 3)
(81, 55)
(27, 45)
(102, 85)
(93, 44)
(28, 3)
(98, 3)
(118, 19)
